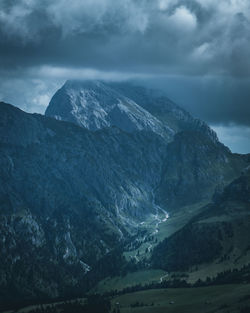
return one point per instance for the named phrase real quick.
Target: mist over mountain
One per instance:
(86, 179)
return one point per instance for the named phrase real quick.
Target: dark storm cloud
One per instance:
(192, 36)
(199, 48)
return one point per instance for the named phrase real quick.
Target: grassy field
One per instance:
(165, 229)
(213, 299)
(177, 220)
(30, 308)
(221, 299)
(129, 280)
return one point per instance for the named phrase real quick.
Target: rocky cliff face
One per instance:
(95, 105)
(80, 180)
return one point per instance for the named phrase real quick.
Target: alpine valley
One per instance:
(116, 186)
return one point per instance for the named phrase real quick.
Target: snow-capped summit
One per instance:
(95, 105)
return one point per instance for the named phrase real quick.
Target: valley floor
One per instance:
(221, 299)
(158, 227)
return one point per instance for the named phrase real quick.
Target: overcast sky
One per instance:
(197, 51)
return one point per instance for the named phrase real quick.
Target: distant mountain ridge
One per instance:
(81, 180)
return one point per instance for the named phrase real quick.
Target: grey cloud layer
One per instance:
(192, 36)
(201, 46)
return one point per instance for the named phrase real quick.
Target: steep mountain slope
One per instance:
(70, 194)
(194, 165)
(195, 161)
(219, 235)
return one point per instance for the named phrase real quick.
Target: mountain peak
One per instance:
(96, 105)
